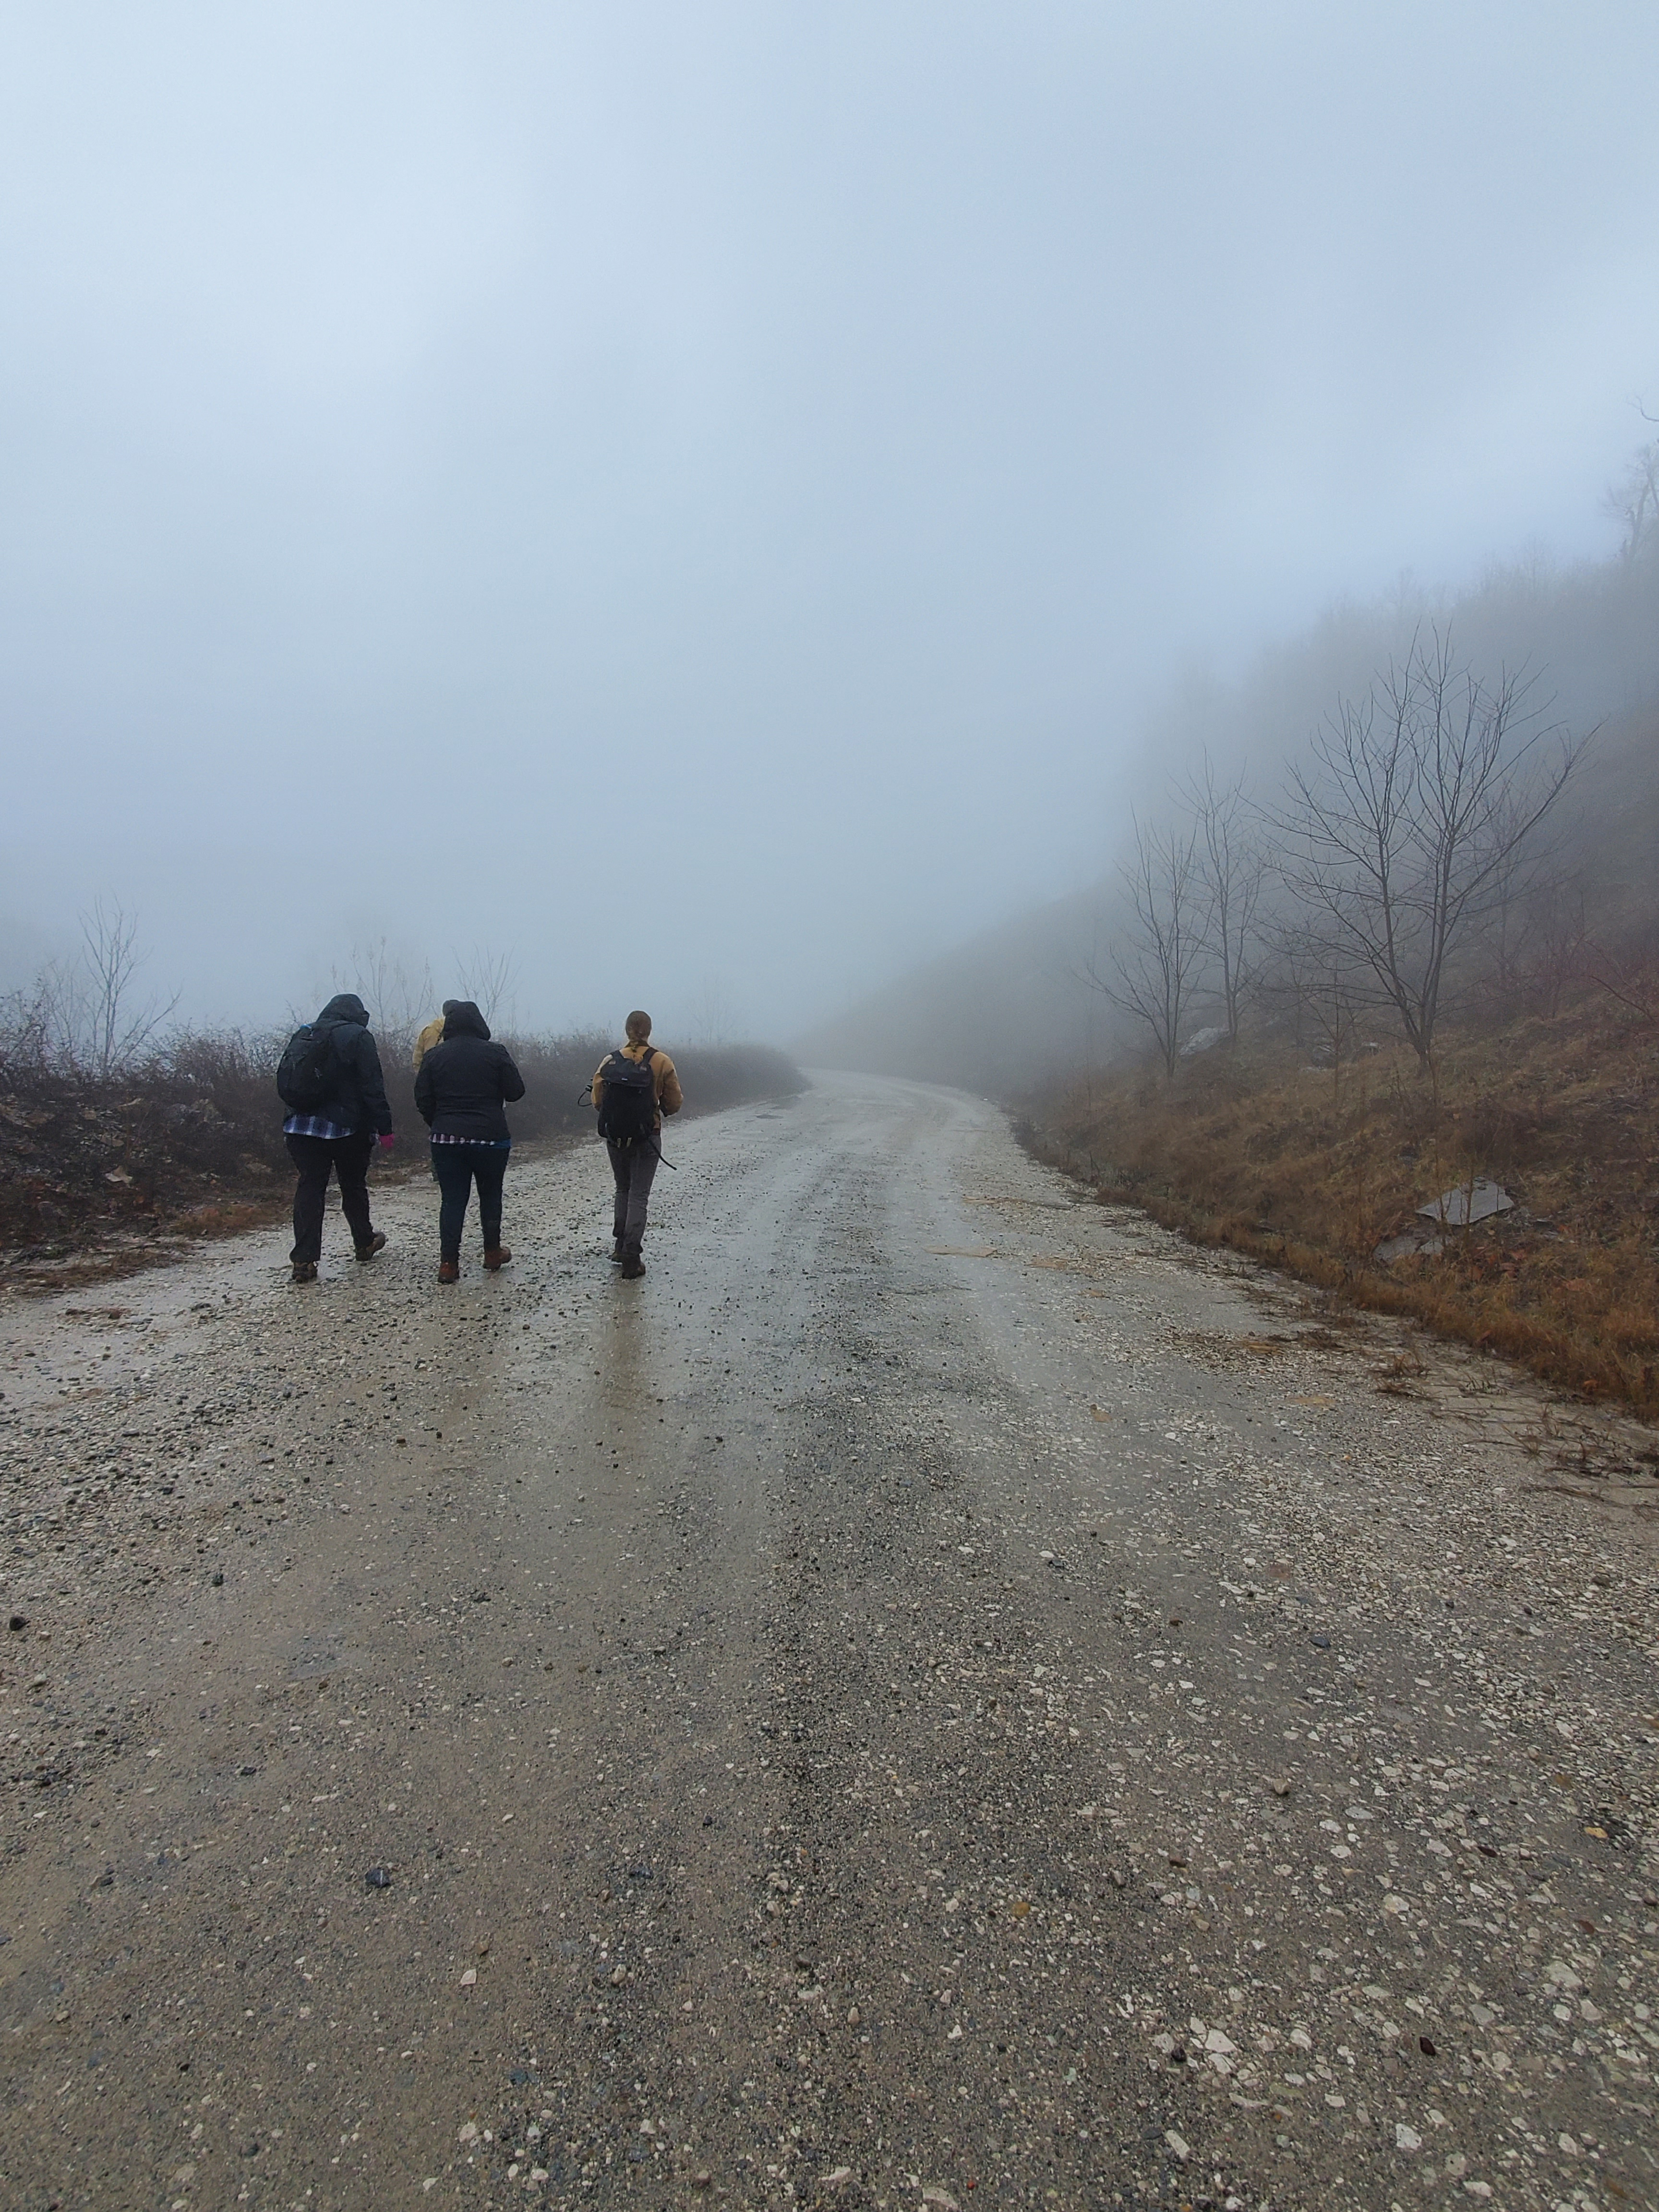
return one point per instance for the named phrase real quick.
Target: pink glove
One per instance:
(387, 1141)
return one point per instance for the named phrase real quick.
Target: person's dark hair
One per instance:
(639, 1027)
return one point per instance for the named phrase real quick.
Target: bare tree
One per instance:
(83, 1016)
(1527, 886)
(1633, 502)
(1230, 871)
(1324, 990)
(1628, 974)
(37, 1026)
(114, 1028)
(713, 1017)
(1395, 833)
(1151, 968)
(400, 999)
(488, 979)
(1557, 940)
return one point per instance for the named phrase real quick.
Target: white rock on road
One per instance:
(937, 1686)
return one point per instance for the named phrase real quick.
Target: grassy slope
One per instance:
(1312, 1169)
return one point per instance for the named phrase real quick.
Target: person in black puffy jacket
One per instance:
(464, 1083)
(338, 1136)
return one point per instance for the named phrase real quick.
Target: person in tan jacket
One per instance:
(631, 1127)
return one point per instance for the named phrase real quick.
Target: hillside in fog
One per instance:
(1583, 643)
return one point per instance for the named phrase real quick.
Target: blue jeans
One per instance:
(456, 1168)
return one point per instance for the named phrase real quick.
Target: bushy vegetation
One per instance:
(183, 1133)
(188, 1135)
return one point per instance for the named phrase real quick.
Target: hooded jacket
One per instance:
(466, 1079)
(356, 1097)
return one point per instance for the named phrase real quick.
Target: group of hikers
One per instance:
(330, 1080)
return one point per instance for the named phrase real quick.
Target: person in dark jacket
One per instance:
(464, 1083)
(339, 1137)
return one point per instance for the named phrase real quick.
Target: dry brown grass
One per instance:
(1312, 1169)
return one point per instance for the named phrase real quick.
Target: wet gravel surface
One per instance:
(938, 1695)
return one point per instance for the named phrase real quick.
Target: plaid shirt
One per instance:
(314, 1125)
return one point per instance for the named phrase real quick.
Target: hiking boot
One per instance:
(617, 1255)
(632, 1270)
(496, 1256)
(376, 1243)
(449, 1270)
(305, 1271)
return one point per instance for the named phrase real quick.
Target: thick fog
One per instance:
(708, 501)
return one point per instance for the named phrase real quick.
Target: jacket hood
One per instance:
(462, 1019)
(346, 1007)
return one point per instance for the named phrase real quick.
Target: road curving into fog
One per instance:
(938, 1695)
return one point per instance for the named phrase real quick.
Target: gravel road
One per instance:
(938, 1695)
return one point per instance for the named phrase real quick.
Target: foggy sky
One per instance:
(709, 497)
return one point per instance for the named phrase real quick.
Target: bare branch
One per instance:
(1633, 502)
(1231, 872)
(400, 999)
(115, 1031)
(1151, 970)
(488, 978)
(1414, 804)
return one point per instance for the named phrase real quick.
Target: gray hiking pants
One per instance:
(635, 1167)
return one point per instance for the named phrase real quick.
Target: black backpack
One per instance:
(302, 1081)
(628, 1111)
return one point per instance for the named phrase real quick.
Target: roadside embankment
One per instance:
(1324, 1170)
